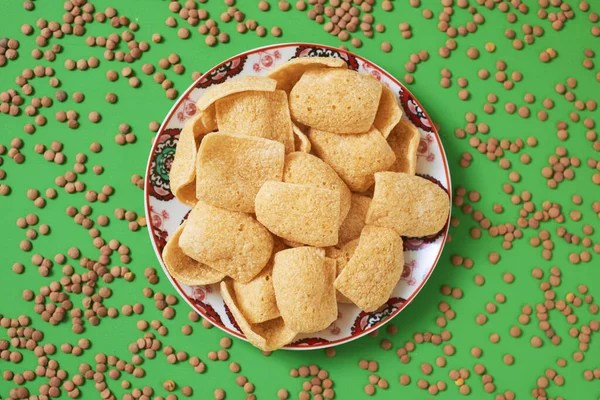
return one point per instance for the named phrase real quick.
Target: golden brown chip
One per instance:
(275, 333)
(182, 177)
(341, 256)
(267, 336)
(306, 169)
(374, 269)
(288, 73)
(355, 220)
(354, 157)
(231, 242)
(411, 205)
(335, 100)
(185, 269)
(208, 121)
(301, 142)
(230, 169)
(260, 114)
(232, 86)
(256, 299)
(388, 113)
(404, 141)
(300, 213)
(291, 243)
(303, 281)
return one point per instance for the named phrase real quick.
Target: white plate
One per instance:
(165, 213)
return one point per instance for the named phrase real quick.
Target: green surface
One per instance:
(138, 107)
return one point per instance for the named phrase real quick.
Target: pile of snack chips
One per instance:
(302, 185)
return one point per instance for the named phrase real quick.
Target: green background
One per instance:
(138, 107)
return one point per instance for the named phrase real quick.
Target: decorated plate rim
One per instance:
(150, 227)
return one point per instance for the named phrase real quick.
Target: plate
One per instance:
(165, 213)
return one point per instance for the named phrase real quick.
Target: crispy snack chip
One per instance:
(290, 72)
(404, 141)
(341, 256)
(231, 242)
(290, 243)
(182, 177)
(388, 113)
(208, 121)
(232, 86)
(301, 142)
(306, 169)
(354, 157)
(260, 114)
(267, 336)
(355, 220)
(256, 299)
(409, 204)
(185, 269)
(303, 281)
(230, 169)
(302, 185)
(335, 100)
(374, 269)
(299, 213)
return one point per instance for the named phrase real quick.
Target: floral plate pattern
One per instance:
(165, 213)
